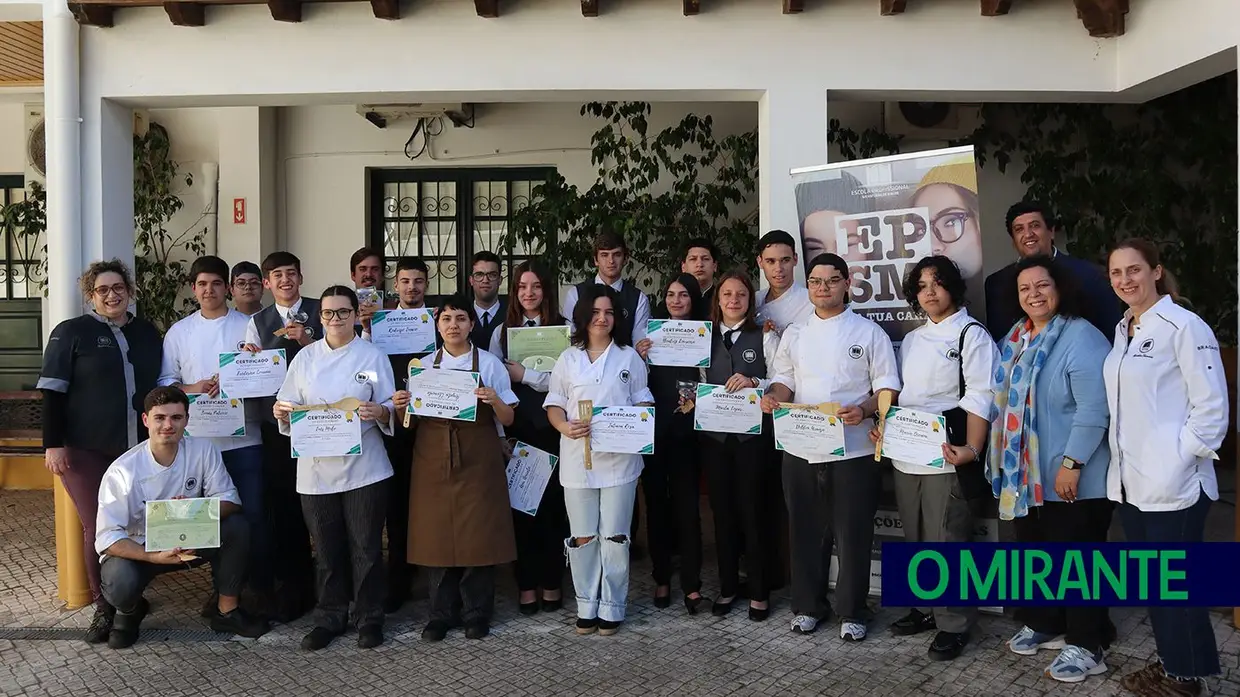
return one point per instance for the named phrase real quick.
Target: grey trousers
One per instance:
(347, 530)
(462, 594)
(932, 509)
(830, 503)
(124, 580)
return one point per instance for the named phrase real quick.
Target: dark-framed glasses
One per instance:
(118, 289)
(485, 275)
(815, 282)
(949, 225)
(342, 313)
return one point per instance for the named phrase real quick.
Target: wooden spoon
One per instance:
(346, 404)
(884, 403)
(585, 412)
(413, 363)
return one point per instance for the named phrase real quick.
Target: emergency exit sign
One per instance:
(238, 211)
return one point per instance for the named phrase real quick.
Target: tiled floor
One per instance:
(658, 652)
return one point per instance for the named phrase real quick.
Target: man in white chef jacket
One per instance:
(168, 466)
(191, 363)
(783, 302)
(836, 356)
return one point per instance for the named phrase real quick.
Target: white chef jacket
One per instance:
(788, 309)
(135, 478)
(537, 379)
(1167, 394)
(192, 349)
(615, 379)
(319, 374)
(639, 320)
(930, 362)
(844, 359)
(251, 329)
(491, 371)
(770, 347)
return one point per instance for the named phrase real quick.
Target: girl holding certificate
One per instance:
(599, 487)
(344, 497)
(540, 538)
(1167, 392)
(671, 474)
(946, 365)
(460, 520)
(737, 463)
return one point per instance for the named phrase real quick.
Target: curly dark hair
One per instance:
(1070, 301)
(945, 272)
(97, 268)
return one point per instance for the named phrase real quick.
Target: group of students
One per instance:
(1063, 450)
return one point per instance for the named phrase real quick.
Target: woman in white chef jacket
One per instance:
(601, 367)
(1167, 394)
(344, 499)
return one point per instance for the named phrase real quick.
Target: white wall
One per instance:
(12, 138)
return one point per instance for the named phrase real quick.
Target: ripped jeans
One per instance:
(600, 566)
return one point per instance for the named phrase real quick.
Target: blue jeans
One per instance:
(245, 467)
(1183, 635)
(600, 566)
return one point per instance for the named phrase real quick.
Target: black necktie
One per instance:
(727, 338)
(529, 322)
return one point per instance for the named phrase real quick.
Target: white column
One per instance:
(792, 132)
(107, 179)
(247, 147)
(64, 172)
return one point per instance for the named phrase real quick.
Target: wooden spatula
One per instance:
(884, 403)
(585, 412)
(346, 404)
(413, 363)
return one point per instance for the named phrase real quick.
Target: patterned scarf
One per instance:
(1012, 464)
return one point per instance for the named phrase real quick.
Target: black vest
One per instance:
(630, 296)
(267, 321)
(481, 335)
(746, 357)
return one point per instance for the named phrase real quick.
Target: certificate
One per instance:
(622, 430)
(537, 348)
(678, 342)
(184, 523)
(443, 394)
(809, 434)
(403, 331)
(244, 374)
(529, 471)
(221, 417)
(325, 433)
(717, 410)
(916, 437)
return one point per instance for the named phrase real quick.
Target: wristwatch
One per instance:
(1070, 464)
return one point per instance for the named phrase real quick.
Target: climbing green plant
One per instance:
(25, 222)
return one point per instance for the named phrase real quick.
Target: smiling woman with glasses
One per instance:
(345, 497)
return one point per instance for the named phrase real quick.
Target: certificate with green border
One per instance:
(537, 348)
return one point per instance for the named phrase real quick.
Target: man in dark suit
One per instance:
(484, 280)
(1032, 228)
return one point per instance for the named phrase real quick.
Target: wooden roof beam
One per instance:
(186, 14)
(285, 10)
(1103, 18)
(385, 9)
(891, 7)
(690, 7)
(92, 15)
(994, 8)
(487, 8)
(589, 8)
(794, 7)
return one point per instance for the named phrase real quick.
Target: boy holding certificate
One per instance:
(168, 466)
(833, 356)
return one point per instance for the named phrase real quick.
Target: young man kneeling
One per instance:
(168, 466)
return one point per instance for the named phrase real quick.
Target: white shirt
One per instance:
(1167, 393)
(615, 379)
(930, 363)
(491, 371)
(135, 478)
(537, 379)
(788, 309)
(320, 374)
(770, 347)
(639, 320)
(485, 316)
(192, 349)
(251, 329)
(844, 359)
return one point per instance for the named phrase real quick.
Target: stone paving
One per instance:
(657, 652)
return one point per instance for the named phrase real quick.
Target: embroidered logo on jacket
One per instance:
(749, 355)
(360, 378)
(104, 342)
(190, 484)
(855, 351)
(624, 376)
(1146, 346)
(953, 354)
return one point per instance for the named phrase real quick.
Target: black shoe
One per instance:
(607, 627)
(948, 645)
(759, 614)
(318, 639)
(528, 608)
(100, 625)
(719, 608)
(663, 601)
(369, 636)
(238, 622)
(552, 605)
(691, 604)
(210, 606)
(125, 627)
(585, 626)
(435, 630)
(477, 629)
(915, 622)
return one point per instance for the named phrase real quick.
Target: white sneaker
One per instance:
(852, 631)
(804, 624)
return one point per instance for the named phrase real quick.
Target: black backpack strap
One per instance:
(960, 350)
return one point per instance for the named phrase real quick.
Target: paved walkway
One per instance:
(657, 652)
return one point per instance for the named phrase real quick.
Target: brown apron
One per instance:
(459, 513)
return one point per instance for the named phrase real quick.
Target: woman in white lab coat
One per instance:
(344, 499)
(601, 367)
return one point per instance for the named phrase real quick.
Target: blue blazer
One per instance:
(1072, 410)
(1101, 307)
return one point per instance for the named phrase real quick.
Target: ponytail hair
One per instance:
(1166, 285)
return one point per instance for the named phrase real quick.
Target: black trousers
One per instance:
(833, 502)
(540, 541)
(670, 484)
(292, 563)
(1086, 520)
(400, 454)
(348, 534)
(462, 593)
(737, 481)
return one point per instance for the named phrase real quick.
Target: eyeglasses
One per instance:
(485, 275)
(815, 282)
(119, 290)
(344, 313)
(248, 285)
(949, 225)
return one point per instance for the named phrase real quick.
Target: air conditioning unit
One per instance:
(931, 121)
(383, 114)
(36, 145)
